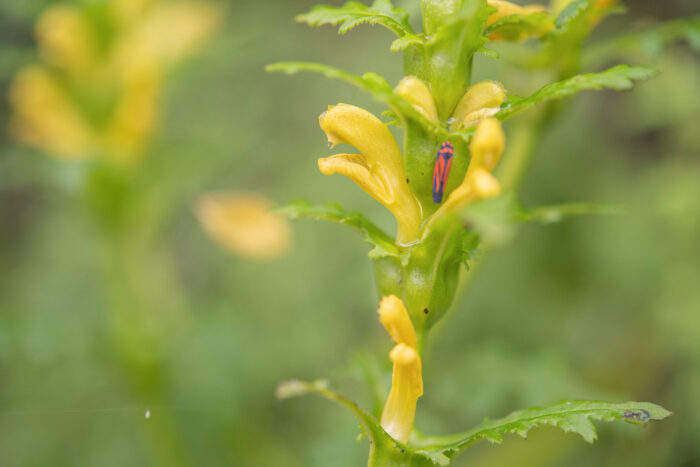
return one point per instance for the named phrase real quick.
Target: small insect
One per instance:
(442, 170)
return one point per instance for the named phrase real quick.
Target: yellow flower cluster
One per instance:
(379, 170)
(96, 93)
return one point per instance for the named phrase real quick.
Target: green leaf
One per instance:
(571, 416)
(620, 77)
(355, 13)
(384, 451)
(383, 244)
(571, 12)
(406, 41)
(370, 82)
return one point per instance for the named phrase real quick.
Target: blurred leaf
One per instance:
(383, 244)
(571, 12)
(515, 27)
(353, 14)
(619, 77)
(370, 82)
(570, 416)
(551, 214)
(384, 450)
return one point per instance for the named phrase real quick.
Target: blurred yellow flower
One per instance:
(378, 169)
(243, 224)
(406, 381)
(99, 97)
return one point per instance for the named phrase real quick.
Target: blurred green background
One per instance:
(603, 307)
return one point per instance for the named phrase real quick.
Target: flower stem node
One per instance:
(378, 169)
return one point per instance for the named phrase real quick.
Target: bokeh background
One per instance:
(96, 331)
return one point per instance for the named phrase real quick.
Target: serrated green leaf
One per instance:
(406, 41)
(383, 244)
(384, 451)
(619, 77)
(353, 14)
(571, 12)
(570, 416)
(370, 82)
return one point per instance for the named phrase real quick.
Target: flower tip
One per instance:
(487, 144)
(403, 355)
(395, 319)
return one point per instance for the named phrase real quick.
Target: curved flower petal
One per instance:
(354, 166)
(242, 223)
(482, 100)
(507, 9)
(378, 169)
(406, 387)
(415, 91)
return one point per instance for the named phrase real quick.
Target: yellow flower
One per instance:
(406, 381)
(415, 91)
(486, 148)
(482, 100)
(378, 169)
(242, 223)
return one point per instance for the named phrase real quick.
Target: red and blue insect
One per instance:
(443, 164)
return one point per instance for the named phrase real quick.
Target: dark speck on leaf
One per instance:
(641, 415)
(407, 180)
(425, 310)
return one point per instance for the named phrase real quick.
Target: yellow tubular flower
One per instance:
(417, 93)
(378, 169)
(486, 148)
(482, 100)
(406, 387)
(242, 223)
(406, 381)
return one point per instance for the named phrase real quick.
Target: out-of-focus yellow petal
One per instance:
(482, 100)
(65, 38)
(243, 224)
(379, 167)
(415, 91)
(487, 145)
(486, 148)
(135, 115)
(406, 387)
(44, 117)
(394, 317)
(165, 33)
